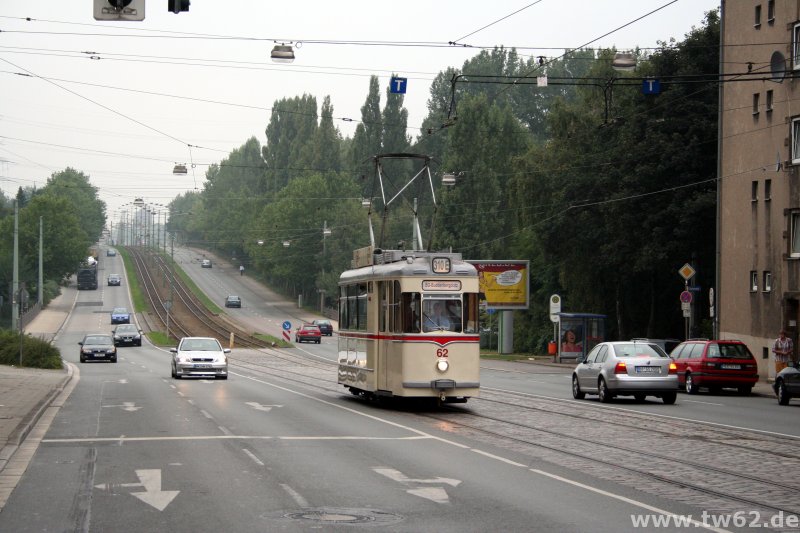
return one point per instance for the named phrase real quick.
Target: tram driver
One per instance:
(436, 319)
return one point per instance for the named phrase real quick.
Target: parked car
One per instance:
(715, 364)
(233, 301)
(787, 383)
(127, 334)
(120, 315)
(114, 279)
(325, 326)
(97, 347)
(309, 333)
(205, 263)
(200, 357)
(665, 344)
(111, 252)
(627, 368)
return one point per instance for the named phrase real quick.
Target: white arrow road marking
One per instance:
(152, 495)
(258, 407)
(126, 406)
(435, 494)
(398, 476)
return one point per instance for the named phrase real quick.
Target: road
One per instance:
(279, 446)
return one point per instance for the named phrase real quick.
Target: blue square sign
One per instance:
(398, 85)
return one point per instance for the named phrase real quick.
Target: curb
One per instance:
(29, 421)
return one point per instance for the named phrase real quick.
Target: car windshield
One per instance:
(323, 322)
(728, 351)
(638, 349)
(97, 339)
(120, 311)
(200, 345)
(127, 329)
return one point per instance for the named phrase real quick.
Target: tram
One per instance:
(408, 326)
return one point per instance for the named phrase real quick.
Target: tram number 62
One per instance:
(441, 352)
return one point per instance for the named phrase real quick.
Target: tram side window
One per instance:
(361, 307)
(410, 312)
(471, 312)
(344, 316)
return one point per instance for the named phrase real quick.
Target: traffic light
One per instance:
(176, 6)
(119, 10)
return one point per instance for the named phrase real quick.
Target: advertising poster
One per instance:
(505, 283)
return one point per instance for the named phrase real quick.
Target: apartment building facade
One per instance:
(759, 196)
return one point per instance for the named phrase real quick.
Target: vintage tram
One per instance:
(408, 325)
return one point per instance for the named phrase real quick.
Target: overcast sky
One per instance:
(124, 101)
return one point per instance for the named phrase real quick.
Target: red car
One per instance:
(715, 364)
(309, 333)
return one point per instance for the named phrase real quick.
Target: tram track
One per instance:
(187, 316)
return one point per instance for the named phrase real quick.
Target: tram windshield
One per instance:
(440, 312)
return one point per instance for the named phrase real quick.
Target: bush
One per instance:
(36, 353)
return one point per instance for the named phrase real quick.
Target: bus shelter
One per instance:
(578, 333)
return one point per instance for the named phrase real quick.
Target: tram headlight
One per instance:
(442, 365)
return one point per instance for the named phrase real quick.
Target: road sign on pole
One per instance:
(686, 297)
(687, 272)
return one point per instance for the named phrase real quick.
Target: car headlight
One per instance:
(116, 337)
(86, 351)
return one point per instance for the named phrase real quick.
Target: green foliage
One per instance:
(36, 353)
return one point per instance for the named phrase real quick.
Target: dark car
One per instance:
(127, 335)
(787, 383)
(120, 315)
(715, 364)
(114, 279)
(233, 301)
(98, 347)
(308, 333)
(325, 326)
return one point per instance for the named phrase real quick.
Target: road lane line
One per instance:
(252, 456)
(296, 496)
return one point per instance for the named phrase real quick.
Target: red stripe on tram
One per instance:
(441, 340)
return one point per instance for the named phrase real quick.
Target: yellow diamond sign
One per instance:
(687, 272)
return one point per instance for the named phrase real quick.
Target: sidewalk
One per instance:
(25, 393)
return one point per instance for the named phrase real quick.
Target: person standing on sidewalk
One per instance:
(783, 349)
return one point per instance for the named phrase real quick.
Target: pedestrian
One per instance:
(241, 270)
(783, 349)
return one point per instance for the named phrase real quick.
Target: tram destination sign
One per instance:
(505, 283)
(441, 285)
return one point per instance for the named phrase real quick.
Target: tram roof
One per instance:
(396, 263)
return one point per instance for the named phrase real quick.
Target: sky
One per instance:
(123, 102)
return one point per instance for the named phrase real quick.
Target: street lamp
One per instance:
(624, 62)
(282, 53)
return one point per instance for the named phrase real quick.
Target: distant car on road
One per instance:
(120, 315)
(200, 357)
(308, 333)
(787, 383)
(114, 279)
(233, 301)
(205, 263)
(96, 347)
(628, 368)
(325, 326)
(111, 252)
(127, 334)
(715, 364)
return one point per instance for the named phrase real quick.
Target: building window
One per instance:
(767, 285)
(795, 141)
(754, 192)
(757, 23)
(767, 190)
(756, 97)
(753, 280)
(769, 101)
(796, 47)
(795, 235)
(770, 12)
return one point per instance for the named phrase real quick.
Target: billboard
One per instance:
(504, 283)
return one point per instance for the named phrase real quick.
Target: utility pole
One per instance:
(15, 274)
(40, 292)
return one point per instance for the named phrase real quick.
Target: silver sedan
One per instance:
(629, 368)
(200, 357)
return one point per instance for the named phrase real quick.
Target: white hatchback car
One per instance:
(200, 357)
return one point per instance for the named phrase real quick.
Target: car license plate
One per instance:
(648, 369)
(202, 366)
(730, 366)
